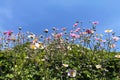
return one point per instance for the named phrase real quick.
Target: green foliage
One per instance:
(23, 63)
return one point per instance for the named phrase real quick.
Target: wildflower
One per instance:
(37, 45)
(32, 36)
(117, 56)
(69, 48)
(98, 66)
(106, 70)
(20, 28)
(46, 30)
(48, 38)
(95, 23)
(41, 36)
(88, 31)
(42, 59)
(75, 25)
(115, 38)
(35, 40)
(53, 28)
(26, 57)
(108, 31)
(9, 33)
(96, 34)
(78, 29)
(74, 35)
(77, 45)
(32, 46)
(72, 73)
(112, 46)
(59, 35)
(65, 65)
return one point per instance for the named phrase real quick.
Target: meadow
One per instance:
(76, 54)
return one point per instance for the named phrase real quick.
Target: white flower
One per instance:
(31, 36)
(117, 56)
(32, 46)
(42, 59)
(92, 31)
(37, 45)
(65, 65)
(69, 48)
(46, 30)
(98, 66)
(26, 57)
(108, 31)
(72, 73)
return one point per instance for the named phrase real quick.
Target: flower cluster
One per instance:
(64, 54)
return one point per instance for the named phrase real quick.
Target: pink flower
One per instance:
(89, 31)
(95, 22)
(75, 25)
(59, 35)
(97, 38)
(9, 33)
(115, 38)
(78, 29)
(74, 35)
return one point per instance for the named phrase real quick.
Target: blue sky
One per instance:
(36, 15)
